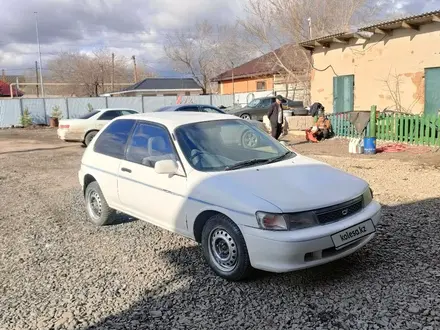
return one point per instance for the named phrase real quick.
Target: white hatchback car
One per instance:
(84, 128)
(249, 207)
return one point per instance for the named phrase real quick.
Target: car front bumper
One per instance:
(287, 251)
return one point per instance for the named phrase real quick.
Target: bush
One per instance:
(26, 119)
(56, 112)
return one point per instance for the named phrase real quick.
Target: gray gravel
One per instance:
(57, 271)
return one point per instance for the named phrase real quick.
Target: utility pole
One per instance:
(310, 27)
(39, 53)
(233, 87)
(113, 72)
(102, 77)
(3, 75)
(134, 68)
(36, 76)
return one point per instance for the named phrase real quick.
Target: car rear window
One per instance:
(89, 115)
(111, 142)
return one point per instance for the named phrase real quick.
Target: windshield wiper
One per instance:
(245, 163)
(279, 158)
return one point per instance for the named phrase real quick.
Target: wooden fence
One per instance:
(396, 127)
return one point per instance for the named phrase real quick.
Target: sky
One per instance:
(126, 27)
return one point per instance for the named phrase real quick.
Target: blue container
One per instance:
(369, 145)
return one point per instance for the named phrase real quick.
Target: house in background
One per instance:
(161, 87)
(393, 64)
(5, 90)
(263, 74)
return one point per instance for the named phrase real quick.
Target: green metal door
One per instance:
(343, 93)
(432, 91)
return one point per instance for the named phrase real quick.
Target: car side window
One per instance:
(128, 112)
(109, 115)
(190, 109)
(113, 139)
(210, 110)
(265, 103)
(149, 144)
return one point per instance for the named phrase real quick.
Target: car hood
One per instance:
(294, 185)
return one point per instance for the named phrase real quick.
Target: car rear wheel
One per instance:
(224, 248)
(89, 137)
(246, 116)
(98, 210)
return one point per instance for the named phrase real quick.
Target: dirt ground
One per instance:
(58, 271)
(21, 140)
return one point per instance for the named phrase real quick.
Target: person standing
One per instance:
(276, 117)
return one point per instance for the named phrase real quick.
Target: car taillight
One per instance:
(64, 126)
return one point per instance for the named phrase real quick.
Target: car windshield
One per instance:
(253, 103)
(230, 144)
(89, 115)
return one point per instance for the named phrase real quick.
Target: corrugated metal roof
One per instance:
(415, 19)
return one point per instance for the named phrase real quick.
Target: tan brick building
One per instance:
(394, 65)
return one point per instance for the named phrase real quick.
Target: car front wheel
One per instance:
(224, 248)
(246, 116)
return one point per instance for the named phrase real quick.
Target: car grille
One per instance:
(339, 211)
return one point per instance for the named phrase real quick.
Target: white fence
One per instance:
(40, 109)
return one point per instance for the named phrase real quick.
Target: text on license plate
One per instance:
(352, 234)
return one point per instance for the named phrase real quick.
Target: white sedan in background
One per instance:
(249, 207)
(84, 128)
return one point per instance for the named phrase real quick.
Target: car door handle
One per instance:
(124, 169)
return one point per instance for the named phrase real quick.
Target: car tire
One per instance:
(249, 139)
(98, 211)
(89, 137)
(246, 116)
(224, 248)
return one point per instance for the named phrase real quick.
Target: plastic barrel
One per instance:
(369, 145)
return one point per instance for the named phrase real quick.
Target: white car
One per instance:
(249, 208)
(84, 128)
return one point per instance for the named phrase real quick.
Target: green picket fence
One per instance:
(396, 127)
(413, 129)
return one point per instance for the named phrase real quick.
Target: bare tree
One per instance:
(205, 51)
(277, 26)
(90, 73)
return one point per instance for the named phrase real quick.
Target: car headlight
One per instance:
(367, 197)
(292, 221)
(271, 221)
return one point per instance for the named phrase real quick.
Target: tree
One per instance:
(205, 51)
(277, 26)
(89, 73)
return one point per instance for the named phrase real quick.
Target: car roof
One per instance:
(177, 106)
(105, 109)
(175, 119)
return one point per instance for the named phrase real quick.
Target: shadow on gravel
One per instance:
(35, 149)
(403, 255)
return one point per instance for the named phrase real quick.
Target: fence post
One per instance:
(142, 103)
(67, 108)
(46, 119)
(106, 102)
(373, 121)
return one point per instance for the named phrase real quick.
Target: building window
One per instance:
(261, 86)
(187, 93)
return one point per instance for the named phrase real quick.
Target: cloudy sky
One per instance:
(127, 27)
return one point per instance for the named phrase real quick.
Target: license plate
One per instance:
(349, 235)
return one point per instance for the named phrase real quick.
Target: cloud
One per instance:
(126, 27)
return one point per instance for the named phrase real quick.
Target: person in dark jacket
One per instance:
(276, 117)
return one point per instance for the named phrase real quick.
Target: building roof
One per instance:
(164, 84)
(409, 22)
(405, 22)
(174, 119)
(264, 65)
(5, 90)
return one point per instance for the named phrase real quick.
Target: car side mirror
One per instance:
(166, 166)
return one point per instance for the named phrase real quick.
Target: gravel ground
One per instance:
(57, 271)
